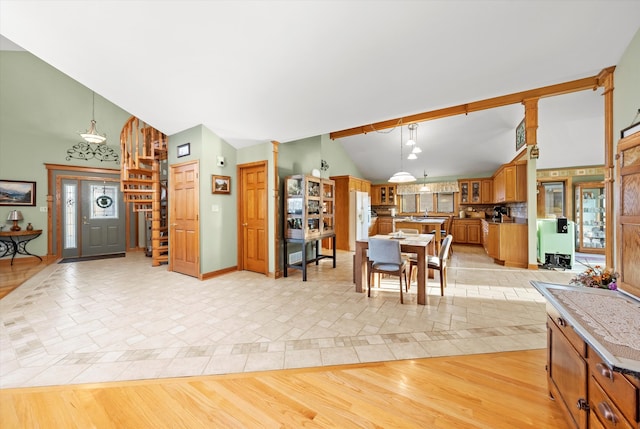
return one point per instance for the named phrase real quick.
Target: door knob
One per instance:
(245, 224)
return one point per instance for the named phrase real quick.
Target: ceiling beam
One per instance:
(592, 83)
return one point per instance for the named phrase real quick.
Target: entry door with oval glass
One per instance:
(95, 223)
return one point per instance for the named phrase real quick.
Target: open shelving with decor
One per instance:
(310, 217)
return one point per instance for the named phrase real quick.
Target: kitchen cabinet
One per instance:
(383, 195)
(309, 204)
(590, 217)
(344, 185)
(506, 243)
(463, 186)
(567, 369)
(466, 231)
(510, 183)
(475, 191)
(486, 193)
(385, 225)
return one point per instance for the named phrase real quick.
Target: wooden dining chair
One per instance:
(448, 226)
(385, 257)
(409, 256)
(438, 263)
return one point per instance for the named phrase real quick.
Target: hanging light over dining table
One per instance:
(402, 176)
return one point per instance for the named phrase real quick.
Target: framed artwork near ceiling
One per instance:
(184, 150)
(17, 193)
(220, 184)
(632, 129)
(521, 136)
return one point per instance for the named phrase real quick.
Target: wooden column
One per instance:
(276, 211)
(531, 133)
(605, 79)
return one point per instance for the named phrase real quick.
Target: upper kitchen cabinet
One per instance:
(383, 195)
(475, 191)
(510, 183)
(345, 184)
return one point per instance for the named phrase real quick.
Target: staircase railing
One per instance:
(144, 150)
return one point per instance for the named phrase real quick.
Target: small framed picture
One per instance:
(184, 150)
(17, 193)
(630, 130)
(220, 184)
(521, 136)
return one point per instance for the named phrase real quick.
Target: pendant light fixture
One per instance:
(92, 136)
(401, 176)
(424, 187)
(413, 141)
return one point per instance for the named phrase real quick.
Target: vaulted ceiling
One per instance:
(255, 71)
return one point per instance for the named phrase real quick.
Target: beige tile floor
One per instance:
(121, 319)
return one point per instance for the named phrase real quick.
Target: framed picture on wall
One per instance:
(630, 130)
(17, 193)
(220, 184)
(184, 150)
(521, 136)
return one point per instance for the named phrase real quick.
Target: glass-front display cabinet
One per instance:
(309, 203)
(590, 217)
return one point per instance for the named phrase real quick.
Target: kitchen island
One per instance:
(424, 225)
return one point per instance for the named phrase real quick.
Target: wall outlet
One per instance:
(43, 209)
(215, 208)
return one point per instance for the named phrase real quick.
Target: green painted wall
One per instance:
(218, 238)
(41, 112)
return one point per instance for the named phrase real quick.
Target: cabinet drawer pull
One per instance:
(607, 413)
(604, 371)
(583, 404)
(561, 322)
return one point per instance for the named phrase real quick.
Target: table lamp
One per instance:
(15, 216)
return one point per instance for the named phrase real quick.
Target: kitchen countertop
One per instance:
(420, 219)
(609, 321)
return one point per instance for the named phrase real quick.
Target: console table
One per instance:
(302, 265)
(15, 242)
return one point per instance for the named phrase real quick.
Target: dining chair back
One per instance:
(448, 229)
(442, 262)
(409, 231)
(385, 257)
(438, 263)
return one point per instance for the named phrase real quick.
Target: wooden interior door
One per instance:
(253, 231)
(184, 238)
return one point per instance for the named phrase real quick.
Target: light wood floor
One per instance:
(504, 390)
(12, 276)
(492, 391)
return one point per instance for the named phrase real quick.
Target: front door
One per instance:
(253, 217)
(184, 240)
(93, 218)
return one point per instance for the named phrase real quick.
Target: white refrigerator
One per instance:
(359, 217)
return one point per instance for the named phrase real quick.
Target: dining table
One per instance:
(420, 244)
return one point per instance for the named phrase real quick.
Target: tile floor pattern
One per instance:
(110, 320)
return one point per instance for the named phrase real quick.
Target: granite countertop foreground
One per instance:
(609, 321)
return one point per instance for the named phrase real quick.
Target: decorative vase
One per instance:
(29, 227)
